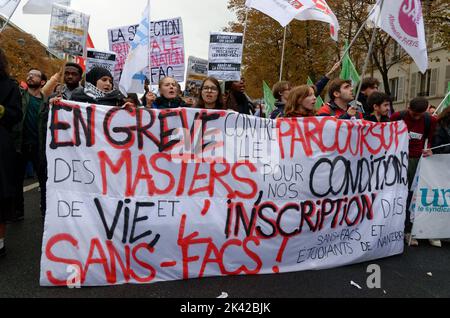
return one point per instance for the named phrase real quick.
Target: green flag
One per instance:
(447, 100)
(319, 102)
(349, 71)
(269, 100)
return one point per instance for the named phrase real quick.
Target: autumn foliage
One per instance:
(24, 52)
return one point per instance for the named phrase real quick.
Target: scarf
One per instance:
(93, 92)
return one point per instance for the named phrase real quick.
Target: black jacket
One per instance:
(164, 103)
(373, 118)
(279, 111)
(113, 98)
(442, 137)
(10, 99)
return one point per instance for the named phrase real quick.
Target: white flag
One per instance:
(284, 11)
(7, 7)
(403, 21)
(42, 6)
(138, 57)
(321, 12)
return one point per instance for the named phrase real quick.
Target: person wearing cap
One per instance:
(99, 89)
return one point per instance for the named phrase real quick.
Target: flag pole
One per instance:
(366, 62)
(9, 19)
(356, 36)
(245, 26)
(282, 54)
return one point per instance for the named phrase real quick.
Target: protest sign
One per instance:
(119, 42)
(196, 73)
(68, 31)
(432, 199)
(167, 50)
(225, 56)
(130, 199)
(100, 59)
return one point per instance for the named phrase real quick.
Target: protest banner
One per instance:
(100, 59)
(225, 56)
(130, 199)
(68, 31)
(196, 73)
(432, 199)
(119, 42)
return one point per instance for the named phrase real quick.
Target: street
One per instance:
(405, 276)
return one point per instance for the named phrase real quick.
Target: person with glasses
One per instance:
(28, 138)
(210, 94)
(169, 95)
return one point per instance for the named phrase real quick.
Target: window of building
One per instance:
(397, 86)
(424, 84)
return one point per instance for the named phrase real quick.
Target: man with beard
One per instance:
(341, 94)
(27, 136)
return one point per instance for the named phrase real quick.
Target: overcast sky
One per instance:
(199, 18)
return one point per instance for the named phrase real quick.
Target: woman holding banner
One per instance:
(301, 102)
(99, 89)
(10, 114)
(168, 91)
(210, 94)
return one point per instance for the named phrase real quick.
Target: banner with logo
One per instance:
(432, 199)
(141, 196)
(403, 21)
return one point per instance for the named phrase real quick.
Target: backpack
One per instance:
(427, 119)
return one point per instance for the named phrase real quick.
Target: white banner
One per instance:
(321, 12)
(101, 59)
(225, 56)
(283, 11)
(68, 31)
(432, 199)
(130, 199)
(403, 21)
(42, 6)
(7, 7)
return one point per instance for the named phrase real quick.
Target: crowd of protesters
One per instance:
(24, 113)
